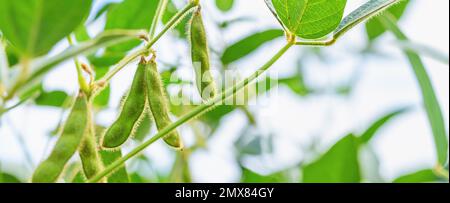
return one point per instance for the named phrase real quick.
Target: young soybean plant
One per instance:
(132, 111)
(200, 57)
(72, 134)
(158, 103)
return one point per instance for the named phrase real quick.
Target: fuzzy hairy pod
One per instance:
(200, 57)
(132, 111)
(89, 151)
(158, 104)
(75, 127)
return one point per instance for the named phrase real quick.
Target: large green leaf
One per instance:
(310, 19)
(130, 14)
(339, 165)
(249, 44)
(33, 27)
(375, 28)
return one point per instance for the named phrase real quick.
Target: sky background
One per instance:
(385, 84)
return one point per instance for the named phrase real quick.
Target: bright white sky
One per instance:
(385, 84)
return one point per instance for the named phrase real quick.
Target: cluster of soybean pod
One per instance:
(146, 96)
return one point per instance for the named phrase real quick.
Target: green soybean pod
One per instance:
(158, 104)
(200, 57)
(69, 141)
(89, 150)
(132, 111)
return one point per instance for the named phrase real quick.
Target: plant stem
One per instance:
(158, 15)
(179, 16)
(198, 111)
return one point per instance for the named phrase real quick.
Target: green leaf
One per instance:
(296, 84)
(53, 98)
(144, 128)
(130, 14)
(120, 175)
(8, 178)
(248, 45)
(310, 19)
(102, 99)
(363, 13)
(171, 11)
(378, 124)
(429, 97)
(375, 28)
(249, 176)
(33, 27)
(108, 157)
(422, 176)
(4, 67)
(104, 9)
(339, 165)
(225, 5)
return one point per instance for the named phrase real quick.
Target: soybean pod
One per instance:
(133, 109)
(200, 57)
(69, 141)
(89, 150)
(158, 104)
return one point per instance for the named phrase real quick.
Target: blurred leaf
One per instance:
(249, 144)
(144, 127)
(79, 178)
(228, 23)
(296, 84)
(13, 58)
(423, 50)
(120, 175)
(180, 172)
(224, 5)
(249, 176)
(316, 18)
(375, 28)
(35, 26)
(367, 136)
(248, 45)
(429, 97)
(102, 99)
(181, 28)
(8, 178)
(137, 178)
(130, 14)
(53, 98)
(104, 9)
(422, 176)
(4, 66)
(339, 165)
